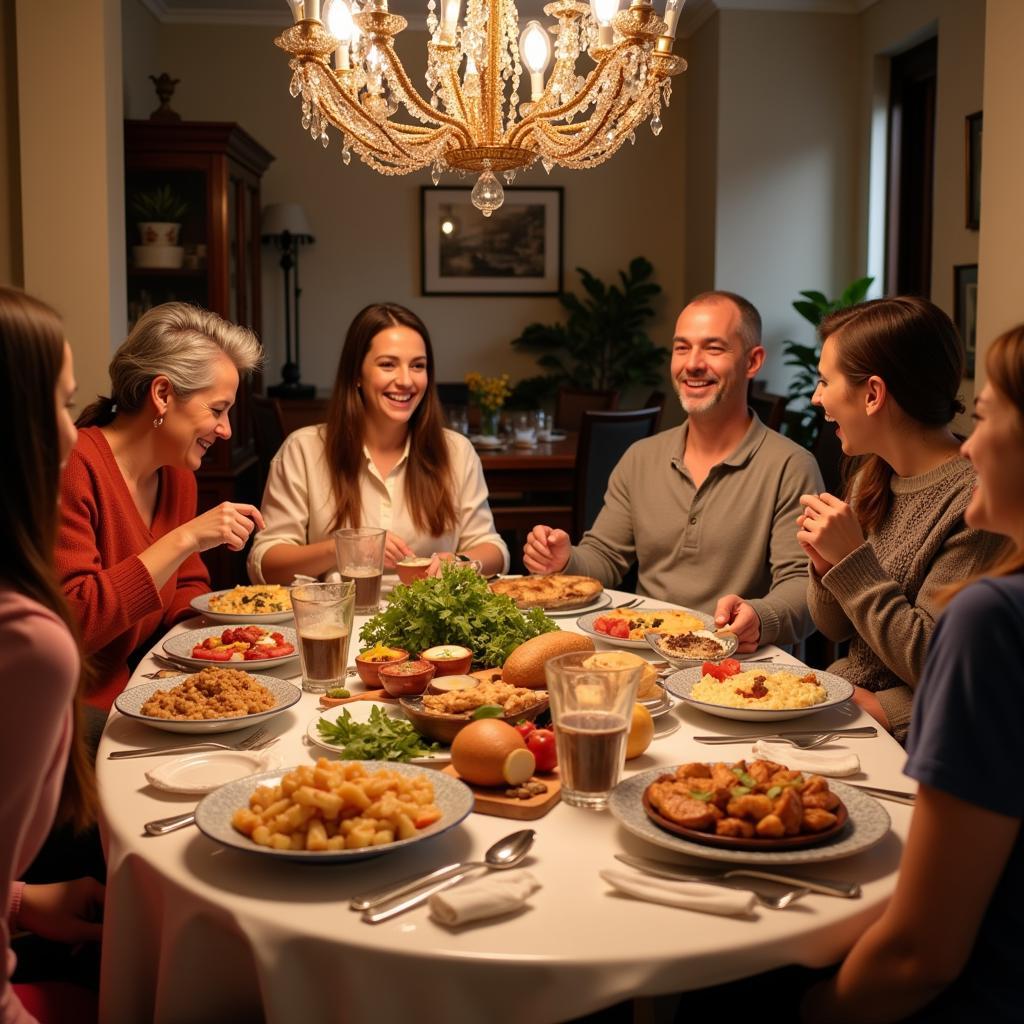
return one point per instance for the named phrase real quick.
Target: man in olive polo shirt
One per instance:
(707, 510)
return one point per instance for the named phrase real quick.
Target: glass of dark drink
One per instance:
(323, 622)
(591, 708)
(361, 562)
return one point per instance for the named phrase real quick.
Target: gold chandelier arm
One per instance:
(492, 85)
(455, 97)
(586, 132)
(539, 114)
(412, 97)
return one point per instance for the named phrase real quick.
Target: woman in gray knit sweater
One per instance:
(889, 373)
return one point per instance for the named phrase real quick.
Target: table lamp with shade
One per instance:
(285, 226)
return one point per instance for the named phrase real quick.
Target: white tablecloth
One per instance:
(197, 933)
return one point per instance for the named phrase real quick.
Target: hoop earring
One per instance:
(158, 422)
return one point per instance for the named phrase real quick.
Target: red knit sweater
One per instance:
(110, 591)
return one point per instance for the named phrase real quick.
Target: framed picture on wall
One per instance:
(515, 251)
(972, 171)
(965, 308)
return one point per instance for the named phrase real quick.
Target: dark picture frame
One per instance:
(972, 170)
(515, 251)
(965, 309)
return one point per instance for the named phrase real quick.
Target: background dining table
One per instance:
(196, 932)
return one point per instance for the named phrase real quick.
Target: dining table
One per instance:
(195, 931)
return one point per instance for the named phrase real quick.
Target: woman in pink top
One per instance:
(39, 664)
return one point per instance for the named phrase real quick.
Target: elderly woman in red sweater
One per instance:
(128, 551)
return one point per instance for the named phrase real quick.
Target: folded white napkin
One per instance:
(818, 762)
(709, 899)
(498, 893)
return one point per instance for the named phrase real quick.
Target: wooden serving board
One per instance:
(492, 800)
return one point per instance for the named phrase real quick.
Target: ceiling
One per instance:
(276, 12)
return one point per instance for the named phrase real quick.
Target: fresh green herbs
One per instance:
(382, 738)
(456, 607)
(488, 711)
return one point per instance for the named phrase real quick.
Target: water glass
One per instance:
(323, 622)
(541, 424)
(458, 419)
(591, 709)
(524, 430)
(360, 554)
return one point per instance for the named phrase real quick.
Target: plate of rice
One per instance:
(767, 693)
(259, 603)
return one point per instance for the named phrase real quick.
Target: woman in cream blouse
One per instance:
(383, 459)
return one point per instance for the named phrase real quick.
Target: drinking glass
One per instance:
(542, 424)
(525, 432)
(591, 709)
(361, 561)
(323, 621)
(458, 419)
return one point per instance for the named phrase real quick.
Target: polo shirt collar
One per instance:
(744, 451)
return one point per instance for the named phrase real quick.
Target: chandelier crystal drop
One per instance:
(347, 75)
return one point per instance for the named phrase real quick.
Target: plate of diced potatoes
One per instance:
(333, 811)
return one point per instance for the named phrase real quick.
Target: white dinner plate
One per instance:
(360, 711)
(586, 623)
(213, 815)
(837, 690)
(201, 773)
(202, 605)
(129, 702)
(180, 647)
(658, 706)
(601, 601)
(868, 825)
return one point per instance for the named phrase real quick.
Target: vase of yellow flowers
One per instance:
(489, 394)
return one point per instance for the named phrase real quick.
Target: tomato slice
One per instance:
(709, 668)
(206, 654)
(602, 624)
(620, 629)
(730, 666)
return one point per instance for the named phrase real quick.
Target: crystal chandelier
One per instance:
(347, 72)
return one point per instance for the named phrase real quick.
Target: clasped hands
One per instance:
(548, 551)
(828, 530)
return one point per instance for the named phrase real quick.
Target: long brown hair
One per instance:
(31, 359)
(176, 341)
(913, 346)
(428, 476)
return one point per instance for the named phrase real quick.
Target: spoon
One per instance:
(505, 853)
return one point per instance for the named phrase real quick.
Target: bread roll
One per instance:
(648, 686)
(525, 665)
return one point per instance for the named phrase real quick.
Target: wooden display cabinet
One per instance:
(216, 168)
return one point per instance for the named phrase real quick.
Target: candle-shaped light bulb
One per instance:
(604, 11)
(535, 49)
(312, 10)
(297, 9)
(339, 24)
(673, 8)
(452, 8)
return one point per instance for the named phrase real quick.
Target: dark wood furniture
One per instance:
(572, 403)
(216, 168)
(770, 409)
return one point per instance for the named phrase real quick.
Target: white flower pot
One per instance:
(155, 232)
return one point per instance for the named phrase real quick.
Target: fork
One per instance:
(630, 604)
(257, 740)
(803, 742)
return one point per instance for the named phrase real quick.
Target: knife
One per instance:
(864, 730)
(663, 869)
(897, 796)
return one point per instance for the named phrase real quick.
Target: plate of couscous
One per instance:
(765, 693)
(259, 603)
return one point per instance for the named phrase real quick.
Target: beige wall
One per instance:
(141, 44)
(367, 226)
(71, 174)
(1000, 291)
(11, 271)
(786, 162)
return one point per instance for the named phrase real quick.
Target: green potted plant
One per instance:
(604, 344)
(802, 422)
(158, 213)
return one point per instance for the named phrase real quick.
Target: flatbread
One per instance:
(556, 591)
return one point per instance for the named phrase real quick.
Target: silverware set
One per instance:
(634, 603)
(803, 738)
(258, 740)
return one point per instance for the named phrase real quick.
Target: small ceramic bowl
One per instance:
(369, 671)
(719, 645)
(449, 659)
(412, 569)
(406, 678)
(444, 728)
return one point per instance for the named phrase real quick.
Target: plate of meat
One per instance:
(219, 645)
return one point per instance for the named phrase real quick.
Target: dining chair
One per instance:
(656, 399)
(268, 431)
(572, 403)
(604, 438)
(770, 409)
